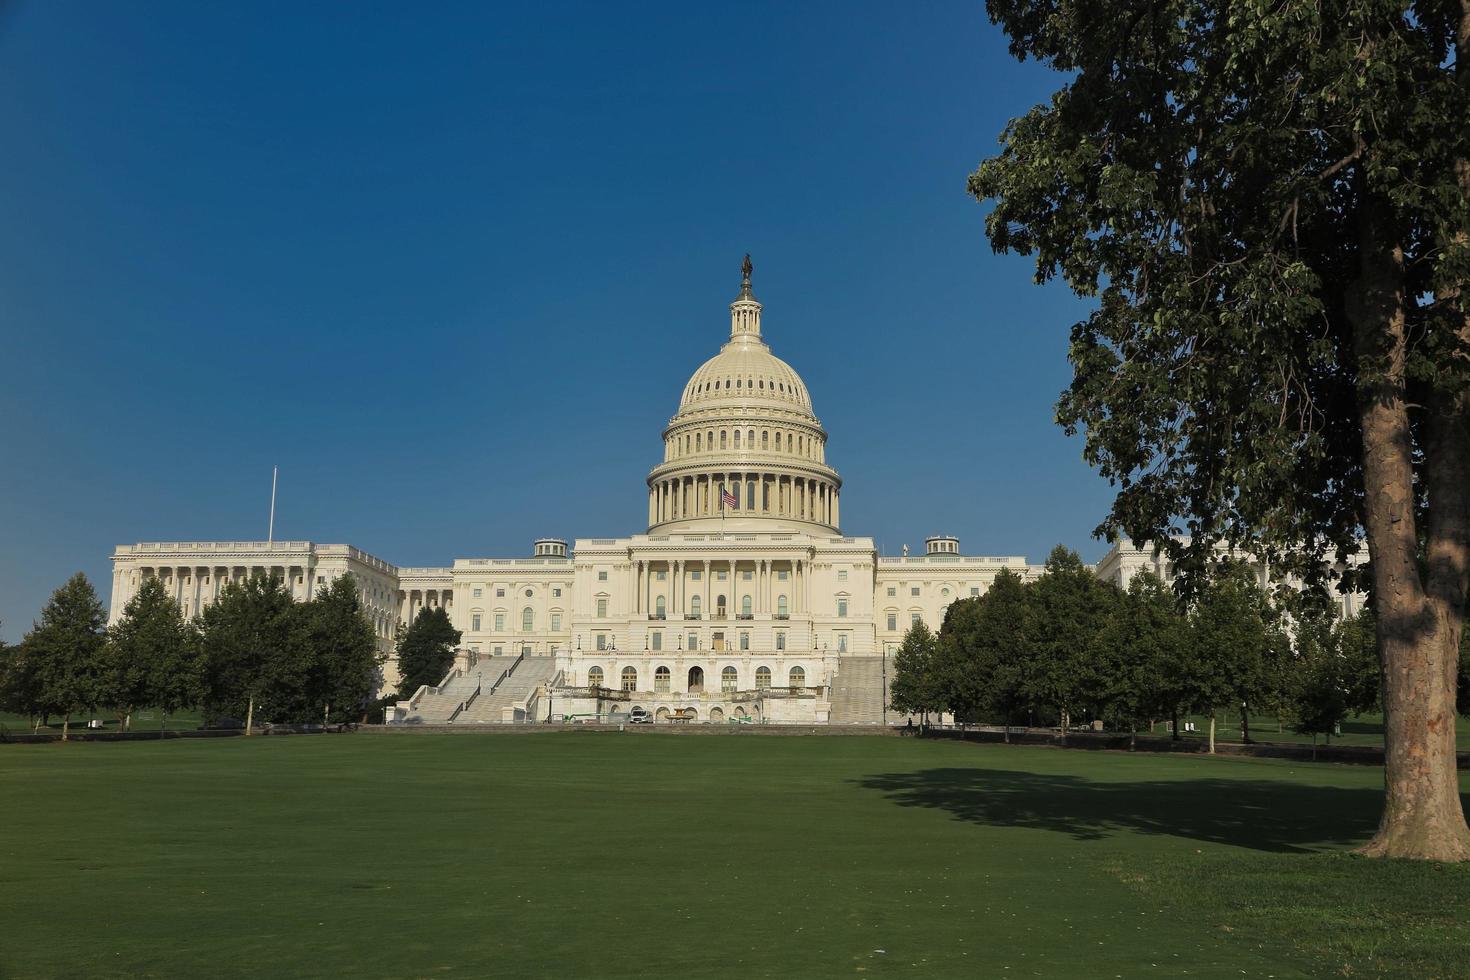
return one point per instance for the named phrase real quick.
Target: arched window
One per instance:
(798, 677)
(528, 619)
(594, 677)
(720, 606)
(696, 680)
(781, 605)
(658, 607)
(694, 605)
(788, 442)
(630, 679)
(762, 678)
(745, 605)
(765, 439)
(750, 438)
(729, 680)
(661, 680)
(722, 438)
(737, 438)
(698, 437)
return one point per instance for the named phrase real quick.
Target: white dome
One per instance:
(745, 371)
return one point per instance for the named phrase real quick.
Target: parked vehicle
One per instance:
(640, 716)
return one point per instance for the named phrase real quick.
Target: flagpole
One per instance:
(270, 534)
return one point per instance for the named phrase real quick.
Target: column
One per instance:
(836, 507)
(676, 592)
(652, 519)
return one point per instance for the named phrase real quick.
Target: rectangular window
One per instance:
(660, 575)
(892, 591)
(475, 622)
(780, 639)
(602, 641)
(476, 592)
(694, 576)
(602, 576)
(499, 622)
(842, 575)
(500, 593)
(525, 651)
(500, 651)
(745, 641)
(556, 593)
(892, 622)
(658, 640)
(841, 608)
(601, 608)
(841, 642)
(745, 575)
(693, 642)
(555, 622)
(914, 590)
(915, 619)
(720, 576)
(974, 590)
(781, 575)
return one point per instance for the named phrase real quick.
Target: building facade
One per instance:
(742, 599)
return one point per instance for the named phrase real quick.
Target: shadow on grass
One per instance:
(1263, 815)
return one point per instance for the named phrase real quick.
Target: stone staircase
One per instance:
(513, 692)
(858, 693)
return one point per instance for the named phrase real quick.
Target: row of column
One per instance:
(196, 586)
(757, 494)
(414, 600)
(763, 589)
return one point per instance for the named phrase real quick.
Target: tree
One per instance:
(980, 650)
(343, 650)
(1069, 607)
(916, 687)
(1229, 640)
(1320, 689)
(153, 654)
(1270, 207)
(426, 650)
(252, 654)
(63, 652)
(1141, 649)
(18, 692)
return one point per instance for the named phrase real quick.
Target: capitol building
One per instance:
(743, 599)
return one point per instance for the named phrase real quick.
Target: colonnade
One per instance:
(413, 600)
(757, 495)
(765, 587)
(196, 586)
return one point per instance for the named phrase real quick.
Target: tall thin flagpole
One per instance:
(270, 534)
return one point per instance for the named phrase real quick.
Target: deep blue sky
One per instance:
(450, 267)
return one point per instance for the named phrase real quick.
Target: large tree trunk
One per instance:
(249, 716)
(1418, 630)
(1212, 733)
(1245, 724)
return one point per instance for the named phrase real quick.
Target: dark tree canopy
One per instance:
(1271, 208)
(153, 654)
(426, 650)
(63, 653)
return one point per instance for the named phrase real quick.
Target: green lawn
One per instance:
(613, 855)
(144, 720)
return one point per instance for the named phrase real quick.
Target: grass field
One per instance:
(612, 855)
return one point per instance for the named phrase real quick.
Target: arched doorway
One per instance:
(696, 680)
(716, 715)
(662, 714)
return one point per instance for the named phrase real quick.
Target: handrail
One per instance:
(507, 672)
(465, 704)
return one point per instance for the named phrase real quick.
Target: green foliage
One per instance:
(343, 650)
(1229, 645)
(917, 687)
(153, 655)
(426, 650)
(18, 691)
(1069, 609)
(1206, 174)
(253, 653)
(63, 660)
(1142, 652)
(979, 656)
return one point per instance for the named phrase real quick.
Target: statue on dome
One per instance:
(745, 269)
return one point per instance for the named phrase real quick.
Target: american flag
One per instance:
(727, 499)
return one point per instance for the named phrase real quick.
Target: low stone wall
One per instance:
(26, 737)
